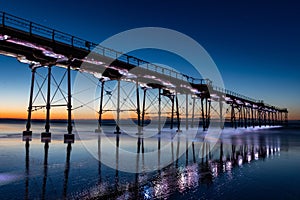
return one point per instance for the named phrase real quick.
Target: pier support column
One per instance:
(259, 117)
(186, 112)
(233, 120)
(159, 111)
(240, 116)
(172, 112)
(221, 113)
(47, 135)
(69, 137)
(118, 107)
(245, 109)
(193, 112)
(144, 107)
(203, 115)
(265, 117)
(208, 114)
(28, 132)
(138, 109)
(99, 130)
(177, 114)
(252, 117)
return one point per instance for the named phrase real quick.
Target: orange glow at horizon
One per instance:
(61, 113)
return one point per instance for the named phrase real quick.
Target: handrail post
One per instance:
(53, 35)
(30, 28)
(3, 19)
(72, 41)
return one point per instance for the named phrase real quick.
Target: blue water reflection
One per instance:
(242, 165)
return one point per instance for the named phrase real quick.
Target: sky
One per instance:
(255, 44)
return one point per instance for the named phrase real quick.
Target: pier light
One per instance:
(195, 96)
(144, 85)
(214, 95)
(240, 160)
(149, 76)
(228, 99)
(248, 158)
(168, 84)
(239, 102)
(228, 165)
(54, 55)
(93, 61)
(4, 37)
(23, 59)
(97, 75)
(195, 91)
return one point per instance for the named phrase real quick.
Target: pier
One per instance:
(43, 47)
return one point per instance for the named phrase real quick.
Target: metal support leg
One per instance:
(221, 114)
(208, 115)
(239, 123)
(144, 107)
(265, 118)
(138, 109)
(47, 135)
(232, 115)
(193, 113)
(118, 108)
(172, 112)
(245, 116)
(99, 130)
(28, 124)
(177, 114)
(259, 118)
(234, 119)
(252, 117)
(159, 111)
(186, 112)
(202, 112)
(69, 137)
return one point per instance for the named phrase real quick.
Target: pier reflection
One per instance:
(46, 148)
(67, 169)
(201, 164)
(27, 145)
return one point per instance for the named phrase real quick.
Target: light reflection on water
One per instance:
(32, 169)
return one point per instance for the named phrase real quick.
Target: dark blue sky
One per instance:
(255, 44)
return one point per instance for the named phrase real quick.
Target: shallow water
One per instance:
(243, 164)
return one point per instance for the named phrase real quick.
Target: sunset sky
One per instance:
(255, 44)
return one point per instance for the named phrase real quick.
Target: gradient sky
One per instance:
(255, 44)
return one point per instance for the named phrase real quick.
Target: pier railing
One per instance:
(7, 20)
(32, 28)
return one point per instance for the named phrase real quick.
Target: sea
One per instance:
(253, 163)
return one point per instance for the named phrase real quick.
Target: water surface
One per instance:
(257, 163)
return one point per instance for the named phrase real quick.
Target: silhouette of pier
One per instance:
(43, 47)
